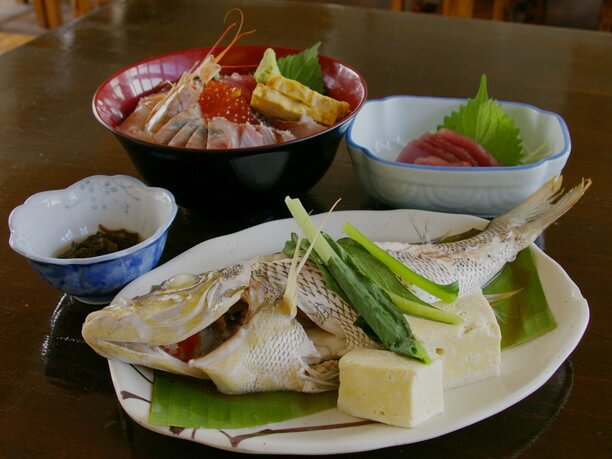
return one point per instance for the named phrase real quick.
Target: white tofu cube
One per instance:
(470, 351)
(389, 388)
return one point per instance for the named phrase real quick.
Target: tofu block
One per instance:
(389, 388)
(470, 351)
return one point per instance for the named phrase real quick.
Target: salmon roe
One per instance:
(218, 99)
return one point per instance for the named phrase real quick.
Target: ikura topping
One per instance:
(220, 100)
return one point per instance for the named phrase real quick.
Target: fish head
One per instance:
(185, 313)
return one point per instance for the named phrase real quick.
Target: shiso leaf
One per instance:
(189, 402)
(484, 120)
(304, 67)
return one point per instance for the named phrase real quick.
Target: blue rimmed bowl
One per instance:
(384, 126)
(48, 221)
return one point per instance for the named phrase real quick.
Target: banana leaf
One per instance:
(525, 315)
(182, 401)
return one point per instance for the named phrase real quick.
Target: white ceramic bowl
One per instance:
(384, 126)
(50, 220)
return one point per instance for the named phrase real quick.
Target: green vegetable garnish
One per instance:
(403, 298)
(304, 67)
(382, 276)
(484, 121)
(447, 293)
(369, 300)
(267, 67)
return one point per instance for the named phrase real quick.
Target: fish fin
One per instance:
(546, 205)
(321, 377)
(536, 204)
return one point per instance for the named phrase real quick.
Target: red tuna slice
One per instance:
(437, 161)
(459, 152)
(246, 84)
(427, 143)
(412, 152)
(478, 152)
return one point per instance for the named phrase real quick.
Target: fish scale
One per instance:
(324, 307)
(271, 352)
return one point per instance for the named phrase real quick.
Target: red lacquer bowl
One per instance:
(219, 178)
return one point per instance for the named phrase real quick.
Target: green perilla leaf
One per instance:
(484, 120)
(304, 67)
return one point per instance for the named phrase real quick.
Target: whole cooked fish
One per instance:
(235, 327)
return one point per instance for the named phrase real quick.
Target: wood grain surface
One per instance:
(56, 397)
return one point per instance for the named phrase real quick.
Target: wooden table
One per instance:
(56, 398)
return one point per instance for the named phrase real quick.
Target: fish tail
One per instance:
(545, 206)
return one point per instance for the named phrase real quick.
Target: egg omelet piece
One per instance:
(288, 99)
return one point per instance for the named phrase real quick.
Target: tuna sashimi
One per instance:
(478, 152)
(412, 152)
(446, 148)
(246, 84)
(457, 150)
(428, 144)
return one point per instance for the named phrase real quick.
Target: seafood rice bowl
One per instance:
(211, 155)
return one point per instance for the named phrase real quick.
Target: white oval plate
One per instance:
(524, 368)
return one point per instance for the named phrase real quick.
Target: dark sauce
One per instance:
(103, 242)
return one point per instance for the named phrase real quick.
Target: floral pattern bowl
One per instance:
(48, 221)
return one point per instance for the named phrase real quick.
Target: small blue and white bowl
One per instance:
(50, 220)
(384, 126)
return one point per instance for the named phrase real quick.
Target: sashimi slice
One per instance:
(304, 127)
(222, 134)
(412, 152)
(478, 152)
(459, 152)
(199, 138)
(427, 144)
(248, 136)
(184, 134)
(451, 148)
(272, 136)
(173, 126)
(246, 83)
